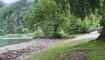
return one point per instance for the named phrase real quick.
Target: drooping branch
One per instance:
(80, 8)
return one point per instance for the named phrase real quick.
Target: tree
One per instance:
(54, 13)
(102, 22)
(84, 8)
(80, 8)
(47, 15)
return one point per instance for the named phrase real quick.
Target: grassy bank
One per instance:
(94, 50)
(18, 35)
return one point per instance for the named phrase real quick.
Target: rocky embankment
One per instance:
(23, 50)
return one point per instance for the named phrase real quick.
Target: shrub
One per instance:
(57, 35)
(19, 29)
(62, 35)
(25, 30)
(2, 32)
(68, 36)
(38, 34)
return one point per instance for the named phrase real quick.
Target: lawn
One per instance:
(88, 49)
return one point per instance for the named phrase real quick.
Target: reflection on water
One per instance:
(4, 42)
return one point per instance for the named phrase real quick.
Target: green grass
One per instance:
(18, 35)
(54, 52)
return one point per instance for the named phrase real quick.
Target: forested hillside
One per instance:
(12, 17)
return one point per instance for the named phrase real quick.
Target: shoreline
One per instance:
(26, 49)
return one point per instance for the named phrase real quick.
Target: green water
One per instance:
(4, 42)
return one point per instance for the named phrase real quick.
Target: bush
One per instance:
(19, 29)
(38, 34)
(57, 35)
(2, 32)
(25, 30)
(68, 36)
(62, 35)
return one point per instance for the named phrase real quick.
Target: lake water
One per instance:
(4, 42)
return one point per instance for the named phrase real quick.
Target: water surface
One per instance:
(4, 42)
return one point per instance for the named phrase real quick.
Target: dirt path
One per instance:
(23, 50)
(87, 36)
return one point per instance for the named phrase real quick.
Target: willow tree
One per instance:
(51, 10)
(47, 15)
(83, 8)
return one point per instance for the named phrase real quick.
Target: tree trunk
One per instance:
(55, 34)
(56, 28)
(102, 34)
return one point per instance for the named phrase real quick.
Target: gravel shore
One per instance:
(26, 49)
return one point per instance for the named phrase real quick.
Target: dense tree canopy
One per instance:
(54, 16)
(80, 8)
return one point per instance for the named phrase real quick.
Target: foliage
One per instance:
(38, 34)
(101, 12)
(62, 35)
(45, 16)
(11, 17)
(79, 8)
(52, 16)
(2, 32)
(25, 30)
